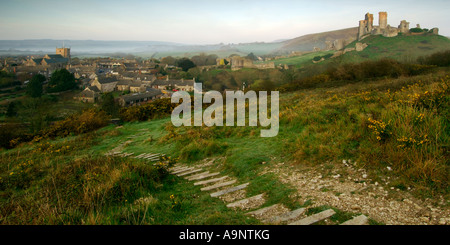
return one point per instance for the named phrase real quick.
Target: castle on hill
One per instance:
(367, 28)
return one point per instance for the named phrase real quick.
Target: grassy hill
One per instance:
(404, 48)
(395, 130)
(308, 42)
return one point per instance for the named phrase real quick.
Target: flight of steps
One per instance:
(219, 185)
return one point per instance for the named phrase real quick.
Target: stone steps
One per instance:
(219, 185)
(358, 220)
(204, 176)
(314, 218)
(189, 172)
(274, 214)
(291, 215)
(229, 190)
(247, 202)
(204, 182)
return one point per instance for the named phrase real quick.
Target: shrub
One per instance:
(12, 134)
(416, 30)
(154, 109)
(83, 122)
(437, 59)
(34, 87)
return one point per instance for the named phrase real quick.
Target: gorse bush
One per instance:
(79, 123)
(154, 109)
(12, 134)
(368, 70)
(437, 59)
(353, 72)
(402, 124)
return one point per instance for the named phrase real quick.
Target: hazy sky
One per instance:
(204, 22)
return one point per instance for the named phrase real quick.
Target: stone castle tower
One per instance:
(382, 20)
(366, 26)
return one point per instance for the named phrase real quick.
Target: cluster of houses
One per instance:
(139, 91)
(139, 81)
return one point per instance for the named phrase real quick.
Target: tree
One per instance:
(36, 112)
(109, 105)
(251, 56)
(34, 87)
(185, 64)
(204, 60)
(12, 109)
(169, 60)
(61, 80)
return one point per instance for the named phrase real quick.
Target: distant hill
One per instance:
(308, 42)
(44, 46)
(401, 46)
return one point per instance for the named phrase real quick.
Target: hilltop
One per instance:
(404, 48)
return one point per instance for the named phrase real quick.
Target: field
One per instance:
(299, 61)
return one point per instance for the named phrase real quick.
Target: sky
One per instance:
(204, 21)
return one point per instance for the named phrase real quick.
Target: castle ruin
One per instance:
(367, 28)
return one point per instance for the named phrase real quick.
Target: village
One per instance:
(356, 119)
(135, 82)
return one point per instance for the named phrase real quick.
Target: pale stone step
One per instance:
(189, 172)
(203, 176)
(204, 182)
(261, 211)
(286, 216)
(212, 187)
(182, 170)
(177, 167)
(314, 218)
(173, 169)
(148, 157)
(246, 201)
(236, 188)
(141, 155)
(358, 220)
(196, 175)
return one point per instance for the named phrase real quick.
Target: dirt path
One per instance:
(355, 192)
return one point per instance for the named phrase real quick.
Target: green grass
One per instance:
(63, 182)
(401, 123)
(299, 61)
(404, 48)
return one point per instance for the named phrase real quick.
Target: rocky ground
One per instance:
(348, 188)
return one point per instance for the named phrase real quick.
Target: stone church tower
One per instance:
(64, 52)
